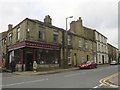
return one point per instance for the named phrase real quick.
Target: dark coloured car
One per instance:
(88, 64)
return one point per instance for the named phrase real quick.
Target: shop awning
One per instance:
(33, 44)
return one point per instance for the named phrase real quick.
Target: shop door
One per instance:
(29, 62)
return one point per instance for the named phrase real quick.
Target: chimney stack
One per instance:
(47, 19)
(10, 26)
(80, 20)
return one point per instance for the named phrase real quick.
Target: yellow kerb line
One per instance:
(103, 81)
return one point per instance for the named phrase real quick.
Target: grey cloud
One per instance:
(101, 15)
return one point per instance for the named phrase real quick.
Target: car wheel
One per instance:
(90, 67)
(95, 66)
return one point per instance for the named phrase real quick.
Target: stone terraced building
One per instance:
(34, 40)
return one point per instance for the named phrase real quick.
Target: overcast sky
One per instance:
(101, 15)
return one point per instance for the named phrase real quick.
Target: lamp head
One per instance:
(71, 17)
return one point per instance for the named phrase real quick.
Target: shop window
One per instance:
(55, 37)
(48, 57)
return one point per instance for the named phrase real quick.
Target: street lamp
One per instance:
(67, 40)
(66, 21)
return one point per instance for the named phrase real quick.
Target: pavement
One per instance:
(50, 71)
(114, 80)
(45, 72)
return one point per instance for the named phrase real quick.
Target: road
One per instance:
(86, 78)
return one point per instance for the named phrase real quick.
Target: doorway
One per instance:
(75, 59)
(29, 62)
(87, 57)
(103, 59)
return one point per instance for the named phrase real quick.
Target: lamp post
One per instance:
(66, 39)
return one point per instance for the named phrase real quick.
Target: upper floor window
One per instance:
(91, 45)
(55, 37)
(98, 47)
(86, 44)
(10, 37)
(69, 40)
(102, 48)
(96, 35)
(41, 34)
(18, 34)
(4, 41)
(80, 43)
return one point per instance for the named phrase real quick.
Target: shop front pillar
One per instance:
(22, 58)
(34, 55)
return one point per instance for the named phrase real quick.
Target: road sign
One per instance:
(94, 53)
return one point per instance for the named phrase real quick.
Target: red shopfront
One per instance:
(26, 52)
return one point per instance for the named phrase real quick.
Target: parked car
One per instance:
(113, 62)
(88, 64)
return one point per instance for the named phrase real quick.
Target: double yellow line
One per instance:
(103, 81)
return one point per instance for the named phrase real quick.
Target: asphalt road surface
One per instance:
(85, 78)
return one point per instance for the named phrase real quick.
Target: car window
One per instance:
(84, 62)
(88, 61)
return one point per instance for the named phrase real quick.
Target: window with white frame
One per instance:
(102, 48)
(80, 43)
(55, 37)
(69, 60)
(18, 33)
(98, 47)
(86, 44)
(41, 34)
(69, 40)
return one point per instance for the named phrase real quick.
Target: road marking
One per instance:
(25, 82)
(103, 81)
(70, 75)
(98, 86)
(95, 87)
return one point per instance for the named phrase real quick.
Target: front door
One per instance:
(75, 59)
(103, 59)
(29, 62)
(87, 57)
